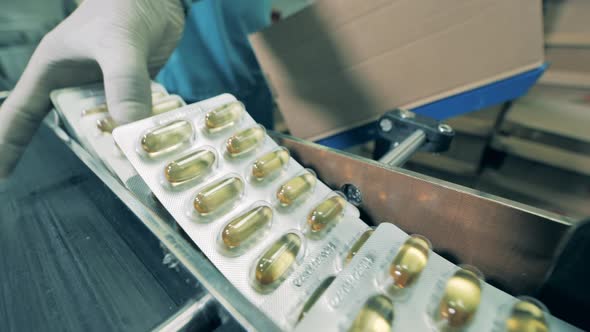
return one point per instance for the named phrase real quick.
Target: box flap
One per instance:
(342, 63)
(568, 24)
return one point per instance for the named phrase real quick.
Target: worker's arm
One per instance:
(124, 42)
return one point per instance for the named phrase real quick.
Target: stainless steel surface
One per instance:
(188, 315)
(397, 156)
(194, 261)
(513, 244)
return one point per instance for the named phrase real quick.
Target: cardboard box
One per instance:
(575, 60)
(567, 23)
(550, 125)
(342, 63)
(568, 42)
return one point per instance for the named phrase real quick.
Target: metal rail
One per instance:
(184, 318)
(400, 153)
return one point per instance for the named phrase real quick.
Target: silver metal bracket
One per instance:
(409, 132)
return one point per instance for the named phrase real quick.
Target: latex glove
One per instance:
(123, 41)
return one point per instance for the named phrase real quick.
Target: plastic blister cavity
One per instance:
(456, 304)
(314, 297)
(407, 265)
(189, 168)
(523, 314)
(296, 190)
(325, 215)
(278, 261)
(216, 198)
(166, 138)
(246, 229)
(376, 315)
(157, 95)
(269, 166)
(99, 109)
(166, 104)
(107, 124)
(245, 142)
(357, 244)
(102, 108)
(223, 117)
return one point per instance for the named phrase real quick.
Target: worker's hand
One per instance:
(123, 41)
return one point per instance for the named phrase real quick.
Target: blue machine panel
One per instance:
(469, 101)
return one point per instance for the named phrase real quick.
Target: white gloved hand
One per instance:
(123, 41)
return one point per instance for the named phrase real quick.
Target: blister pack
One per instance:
(97, 126)
(75, 102)
(396, 282)
(84, 113)
(268, 224)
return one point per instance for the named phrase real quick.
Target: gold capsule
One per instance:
(356, 247)
(315, 296)
(245, 141)
(189, 167)
(224, 116)
(246, 227)
(166, 105)
(106, 125)
(218, 195)
(296, 189)
(276, 263)
(410, 260)
(376, 315)
(527, 316)
(326, 214)
(102, 108)
(156, 95)
(461, 298)
(167, 138)
(270, 164)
